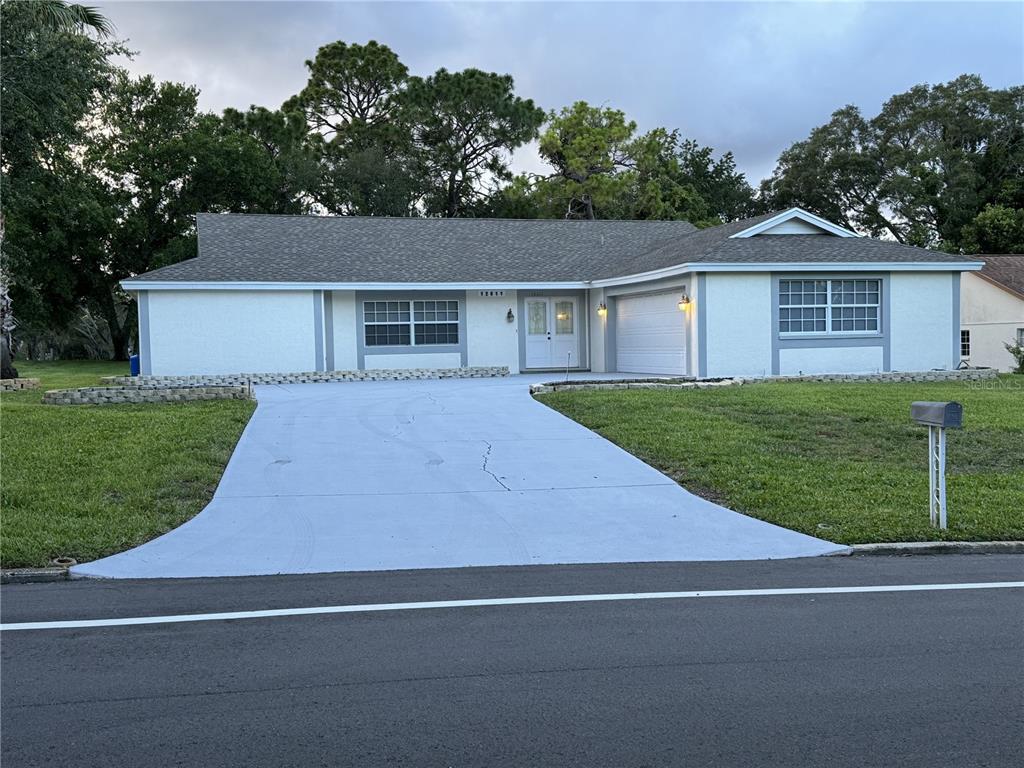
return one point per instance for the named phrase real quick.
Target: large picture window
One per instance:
(410, 323)
(830, 306)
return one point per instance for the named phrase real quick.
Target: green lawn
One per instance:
(839, 461)
(87, 481)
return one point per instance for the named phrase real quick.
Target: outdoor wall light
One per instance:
(684, 302)
(602, 309)
(510, 317)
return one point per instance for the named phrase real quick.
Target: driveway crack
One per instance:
(487, 458)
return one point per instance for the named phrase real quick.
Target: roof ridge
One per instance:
(336, 217)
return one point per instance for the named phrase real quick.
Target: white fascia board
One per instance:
(803, 266)
(796, 213)
(181, 285)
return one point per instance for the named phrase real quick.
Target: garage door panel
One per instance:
(650, 334)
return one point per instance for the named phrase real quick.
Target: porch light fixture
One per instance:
(602, 309)
(562, 316)
(684, 302)
(510, 317)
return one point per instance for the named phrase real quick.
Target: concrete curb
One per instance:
(33, 575)
(941, 548)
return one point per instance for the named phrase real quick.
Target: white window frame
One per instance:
(828, 306)
(965, 341)
(410, 309)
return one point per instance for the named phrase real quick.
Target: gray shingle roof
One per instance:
(270, 248)
(1006, 269)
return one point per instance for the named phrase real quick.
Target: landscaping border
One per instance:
(138, 394)
(14, 385)
(309, 377)
(681, 382)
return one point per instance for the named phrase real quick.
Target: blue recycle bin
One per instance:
(133, 365)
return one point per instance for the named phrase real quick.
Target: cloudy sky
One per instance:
(748, 77)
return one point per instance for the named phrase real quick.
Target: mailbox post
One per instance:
(937, 417)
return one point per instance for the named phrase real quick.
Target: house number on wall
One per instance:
(492, 293)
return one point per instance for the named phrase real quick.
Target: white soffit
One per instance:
(795, 221)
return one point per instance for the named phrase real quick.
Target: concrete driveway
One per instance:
(438, 474)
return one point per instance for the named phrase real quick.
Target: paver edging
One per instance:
(309, 377)
(119, 395)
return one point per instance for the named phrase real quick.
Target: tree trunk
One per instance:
(7, 369)
(120, 335)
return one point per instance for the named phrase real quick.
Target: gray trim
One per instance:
(881, 339)
(611, 348)
(329, 330)
(145, 347)
(954, 361)
(702, 325)
(582, 336)
(318, 330)
(427, 349)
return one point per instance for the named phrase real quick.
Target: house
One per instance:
(992, 312)
(783, 293)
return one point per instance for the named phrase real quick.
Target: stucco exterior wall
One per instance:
(992, 315)
(738, 324)
(197, 332)
(798, 362)
(390, 362)
(490, 338)
(924, 329)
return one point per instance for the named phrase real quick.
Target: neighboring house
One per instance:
(992, 311)
(784, 293)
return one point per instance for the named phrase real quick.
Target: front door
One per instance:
(552, 333)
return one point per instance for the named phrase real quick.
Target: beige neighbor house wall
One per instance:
(994, 316)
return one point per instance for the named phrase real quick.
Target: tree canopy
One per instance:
(103, 172)
(921, 171)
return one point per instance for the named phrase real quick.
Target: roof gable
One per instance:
(795, 221)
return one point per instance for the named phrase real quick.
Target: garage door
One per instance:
(650, 334)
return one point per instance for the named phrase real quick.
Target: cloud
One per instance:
(747, 77)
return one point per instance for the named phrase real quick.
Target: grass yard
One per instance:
(87, 481)
(839, 461)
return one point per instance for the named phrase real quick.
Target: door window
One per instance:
(538, 317)
(564, 319)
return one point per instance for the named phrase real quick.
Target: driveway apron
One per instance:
(436, 474)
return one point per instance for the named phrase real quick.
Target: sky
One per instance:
(749, 77)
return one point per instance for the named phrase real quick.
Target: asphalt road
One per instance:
(864, 679)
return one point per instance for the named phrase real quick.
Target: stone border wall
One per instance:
(129, 394)
(13, 385)
(962, 374)
(965, 374)
(564, 386)
(309, 377)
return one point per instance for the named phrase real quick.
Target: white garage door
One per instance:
(650, 334)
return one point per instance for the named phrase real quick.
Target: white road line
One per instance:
(539, 600)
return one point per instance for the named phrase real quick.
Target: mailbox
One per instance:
(937, 414)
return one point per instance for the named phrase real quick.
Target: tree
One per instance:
(52, 73)
(587, 146)
(997, 229)
(351, 108)
(465, 126)
(920, 171)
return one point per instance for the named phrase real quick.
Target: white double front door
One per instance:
(552, 332)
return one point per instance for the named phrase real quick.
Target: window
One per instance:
(829, 306)
(965, 343)
(410, 323)
(1020, 336)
